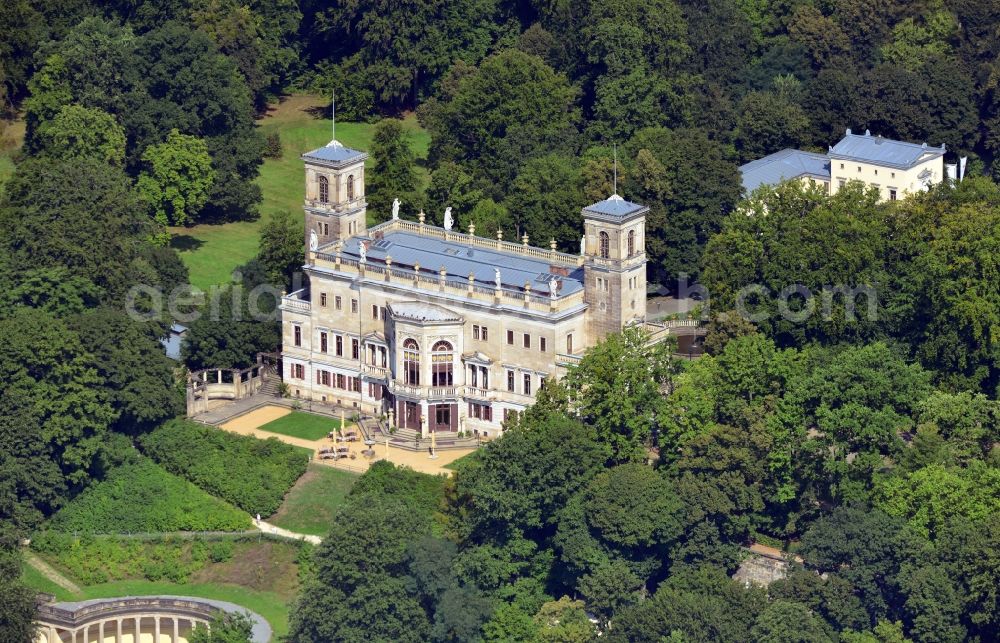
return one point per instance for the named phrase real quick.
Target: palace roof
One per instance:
(460, 259)
(883, 151)
(782, 166)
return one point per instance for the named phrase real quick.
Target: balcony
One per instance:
(378, 372)
(424, 392)
(297, 302)
(479, 393)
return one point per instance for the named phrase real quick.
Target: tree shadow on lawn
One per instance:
(185, 243)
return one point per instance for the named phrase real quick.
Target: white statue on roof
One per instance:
(363, 250)
(448, 221)
(395, 209)
(496, 276)
(313, 240)
(583, 245)
(553, 287)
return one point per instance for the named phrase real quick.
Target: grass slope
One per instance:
(211, 252)
(262, 575)
(302, 425)
(310, 505)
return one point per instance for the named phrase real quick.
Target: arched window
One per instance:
(631, 242)
(350, 187)
(411, 362)
(442, 364)
(605, 245)
(324, 189)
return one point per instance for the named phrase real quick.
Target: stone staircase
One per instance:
(270, 387)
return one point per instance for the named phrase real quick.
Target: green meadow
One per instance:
(211, 252)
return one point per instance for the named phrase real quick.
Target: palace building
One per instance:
(894, 168)
(441, 330)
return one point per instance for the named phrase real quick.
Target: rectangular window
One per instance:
(541, 344)
(341, 381)
(340, 345)
(374, 311)
(326, 378)
(354, 306)
(892, 194)
(381, 312)
(475, 332)
(481, 411)
(527, 340)
(323, 346)
(474, 376)
(482, 330)
(510, 337)
(355, 349)
(509, 414)
(841, 166)
(510, 381)
(338, 302)
(569, 343)
(322, 299)
(298, 371)
(527, 384)
(356, 382)
(841, 183)
(297, 333)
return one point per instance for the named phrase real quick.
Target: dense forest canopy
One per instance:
(865, 443)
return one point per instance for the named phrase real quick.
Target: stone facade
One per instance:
(440, 330)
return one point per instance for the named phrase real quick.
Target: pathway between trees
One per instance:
(268, 528)
(50, 573)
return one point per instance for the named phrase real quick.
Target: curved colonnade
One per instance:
(146, 619)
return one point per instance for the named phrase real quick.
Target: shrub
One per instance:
(252, 474)
(142, 497)
(272, 146)
(221, 551)
(94, 560)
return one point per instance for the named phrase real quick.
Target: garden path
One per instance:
(50, 573)
(268, 528)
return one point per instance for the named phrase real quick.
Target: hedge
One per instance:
(252, 474)
(142, 497)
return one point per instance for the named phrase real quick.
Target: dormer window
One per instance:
(350, 187)
(324, 189)
(605, 245)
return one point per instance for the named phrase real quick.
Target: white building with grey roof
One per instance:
(446, 331)
(894, 168)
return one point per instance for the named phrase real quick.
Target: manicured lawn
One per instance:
(302, 425)
(211, 252)
(310, 505)
(456, 464)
